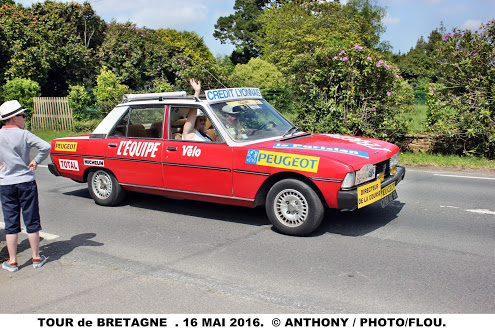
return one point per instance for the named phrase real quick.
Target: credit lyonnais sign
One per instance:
(232, 93)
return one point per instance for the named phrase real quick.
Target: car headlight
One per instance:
(394, 162)
(349, 180)
(366, 173)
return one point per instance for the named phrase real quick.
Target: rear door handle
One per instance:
(112, 144)
(171, 148)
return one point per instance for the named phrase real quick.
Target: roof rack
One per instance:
(153, 96)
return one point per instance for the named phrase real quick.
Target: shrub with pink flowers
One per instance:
(461, 105)
(351, 91)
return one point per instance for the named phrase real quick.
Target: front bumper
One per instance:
(53, 169)
(348, 199)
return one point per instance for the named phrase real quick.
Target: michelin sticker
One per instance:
(94, 162)
(322, 148)
(283, 160)
(67, 164)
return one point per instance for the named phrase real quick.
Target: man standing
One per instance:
(19, 192)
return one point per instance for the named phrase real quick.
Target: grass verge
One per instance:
(48, 136)
(448, 161)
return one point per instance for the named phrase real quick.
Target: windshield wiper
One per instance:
(290, 130)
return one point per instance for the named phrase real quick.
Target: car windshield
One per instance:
(249, 120)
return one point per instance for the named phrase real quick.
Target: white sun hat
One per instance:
(9, 109)
(230, 110)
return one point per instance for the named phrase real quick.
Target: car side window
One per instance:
(178, 117)
(141, 123)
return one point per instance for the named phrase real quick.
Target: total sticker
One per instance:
(68, 164)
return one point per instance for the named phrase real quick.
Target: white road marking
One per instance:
(465, 176)
(482, 211)
(47, 236)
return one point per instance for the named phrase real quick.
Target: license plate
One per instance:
(369, 193)
(388, 198)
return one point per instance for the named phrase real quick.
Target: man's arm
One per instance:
(43, 149)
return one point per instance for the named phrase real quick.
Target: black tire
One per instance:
(294, 208)
(104, 188)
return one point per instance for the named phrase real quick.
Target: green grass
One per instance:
(417, 117)
(449, 161)
(48, 136)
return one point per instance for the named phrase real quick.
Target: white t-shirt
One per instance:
(198, 137)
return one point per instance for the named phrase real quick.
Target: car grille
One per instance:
(383, 167)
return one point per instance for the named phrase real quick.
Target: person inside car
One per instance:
(232, 123)
(195, 125)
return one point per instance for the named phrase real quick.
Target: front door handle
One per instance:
(112, 144)
(171, 148)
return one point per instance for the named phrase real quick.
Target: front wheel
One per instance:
(104, 188)
(294, 208)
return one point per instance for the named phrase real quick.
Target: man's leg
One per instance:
(31, 215)
(34, 242)
(11, 212)
(12, 247)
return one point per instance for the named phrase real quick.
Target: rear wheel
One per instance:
(294, 208)
(104, 188)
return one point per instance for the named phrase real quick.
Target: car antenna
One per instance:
(211, 74)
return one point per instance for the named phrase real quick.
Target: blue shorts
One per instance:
(17, 198)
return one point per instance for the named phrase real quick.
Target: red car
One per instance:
(256, 157)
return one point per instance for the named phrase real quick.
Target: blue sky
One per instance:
(406, 20)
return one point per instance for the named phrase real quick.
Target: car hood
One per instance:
(352, 150)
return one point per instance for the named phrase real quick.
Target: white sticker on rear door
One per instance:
(67, 164)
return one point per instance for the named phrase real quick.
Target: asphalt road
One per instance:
(430, 251)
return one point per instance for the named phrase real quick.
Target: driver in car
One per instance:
(232, 122)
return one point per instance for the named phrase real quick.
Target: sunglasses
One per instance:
(21, 115)
(201, 119)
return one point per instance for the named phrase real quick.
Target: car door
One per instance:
(134, 147)
(200, 169)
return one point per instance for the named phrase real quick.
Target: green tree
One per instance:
(258, 73)
(190, 57)
(185, 43)
(108, 91)
(137, 56)
(349, 90)
(373, 16)
(242, 28)
(418, 66)
(79, 101)
(43, 43)
(22, 90)
(461, 105)
(298, 27)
